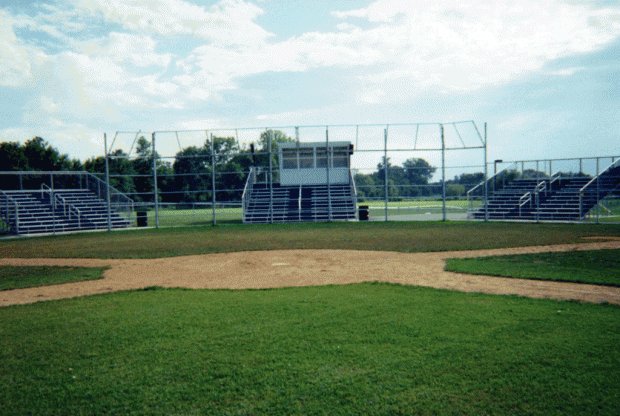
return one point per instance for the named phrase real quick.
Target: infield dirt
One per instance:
(281, 268)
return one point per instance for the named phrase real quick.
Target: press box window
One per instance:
(289, 158)
(341, 157)
(306, 158)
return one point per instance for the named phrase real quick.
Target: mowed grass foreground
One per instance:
(353, 349)
(390, 236)
(339, 350)
(597, 267)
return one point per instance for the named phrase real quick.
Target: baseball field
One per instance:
(337, 318)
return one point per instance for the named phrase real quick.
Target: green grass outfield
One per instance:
(386, 236)
(340, 350)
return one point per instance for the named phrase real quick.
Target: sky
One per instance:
(543, 74)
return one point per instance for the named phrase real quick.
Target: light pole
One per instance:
(495, 175)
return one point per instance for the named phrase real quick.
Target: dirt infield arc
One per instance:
(272, 269)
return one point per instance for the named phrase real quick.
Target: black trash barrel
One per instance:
(142, 218)
(363, 212)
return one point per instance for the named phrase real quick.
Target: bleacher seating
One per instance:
(73, 210)
(305, 203)
(546, 199)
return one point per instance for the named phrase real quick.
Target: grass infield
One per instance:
(597, 267)
(20, 277)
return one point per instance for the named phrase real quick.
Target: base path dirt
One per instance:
(271, 269)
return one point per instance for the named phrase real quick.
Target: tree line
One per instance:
(187, 178)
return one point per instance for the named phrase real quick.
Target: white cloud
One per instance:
(14, 56)
(470, 44)
(138, 50)
(230, 22)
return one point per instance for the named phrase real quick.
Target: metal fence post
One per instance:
(213, 198)
(385, 171)
(270, 138)
(486, 177)
(107, 182)
(155, 195)
(598, 191)
(327, 162)
(443, 172)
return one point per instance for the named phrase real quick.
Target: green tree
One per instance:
(418, 171)
(454, 190)
(121, 170)
(277, 136)
(12, 157)
(43, 157)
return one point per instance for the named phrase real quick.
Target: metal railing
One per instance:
(119, 202)
(10, 221)
(594, 182)
(354, 194)
(555, 177)
(247, 192)
(67, 207)
(470, 193)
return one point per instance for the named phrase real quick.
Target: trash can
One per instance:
(363, 212)
(142, 218)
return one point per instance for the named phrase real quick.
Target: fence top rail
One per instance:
(437, 123)
(43, 172)
(561, 159)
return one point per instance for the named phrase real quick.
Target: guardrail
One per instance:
(10, 222)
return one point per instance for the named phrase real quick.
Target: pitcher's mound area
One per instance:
(271, 269)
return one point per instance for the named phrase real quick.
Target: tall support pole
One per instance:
(328, 161)
(598, 190)
(53, 202)
(486, 177)
(213, 198)
(270, 138)
(155, 195)
(443, 172)
(536, 194)
(580, 165)
(385, 171)
(107, 183)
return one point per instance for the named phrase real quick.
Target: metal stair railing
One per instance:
(119, 200)
(354, 195)
(247, 192)
(528, 198)
(8, 221)
(583, 190)
(555, 177)
(470, 197)
(65, 205)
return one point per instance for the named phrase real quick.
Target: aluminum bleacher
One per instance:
(558, 198)
(25, 212)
